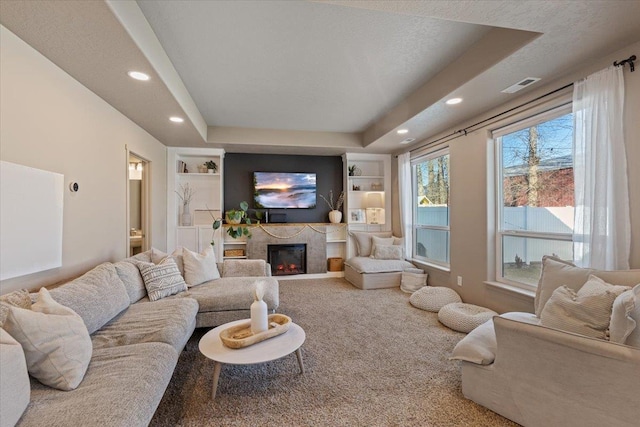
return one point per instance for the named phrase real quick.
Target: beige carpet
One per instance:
(371, 359)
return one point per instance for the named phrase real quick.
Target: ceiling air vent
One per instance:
(407, 141)
(521, 84)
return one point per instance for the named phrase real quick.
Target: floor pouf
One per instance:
(433, 298)
(464, 317)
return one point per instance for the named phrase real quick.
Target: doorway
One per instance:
(138, 236)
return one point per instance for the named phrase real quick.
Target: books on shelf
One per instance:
(182, 167)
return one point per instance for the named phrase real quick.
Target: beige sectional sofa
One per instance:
(537, 375)
(136, 344)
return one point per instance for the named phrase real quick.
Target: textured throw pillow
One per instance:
(157, 256)
(199, 268)
(375, 240)
(586, 312)
(625, 316)
(55, 341)
(161, 280)
(387, 252)
(19, 298)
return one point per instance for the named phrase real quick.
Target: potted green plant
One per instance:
(238, 221)
(212, 167)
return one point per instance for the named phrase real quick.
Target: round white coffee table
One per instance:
(271, 349)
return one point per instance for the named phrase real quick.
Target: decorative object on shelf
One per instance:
(258, 310)
(334, 264)
(185, 196)
(374, 206)
(202, 168)
(240, 336)
(351, 169)
(233, 252)
(335, 216)
(355, 187)
(239, 221)
(212, 167)
(376, 186)
(357, 216)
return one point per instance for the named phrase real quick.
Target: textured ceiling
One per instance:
(315, 77)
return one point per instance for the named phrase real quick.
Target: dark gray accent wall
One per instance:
(238, 180)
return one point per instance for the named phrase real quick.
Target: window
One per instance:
(535, 195)
(431, 208)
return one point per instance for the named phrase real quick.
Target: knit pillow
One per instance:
(387, 252)
(19, 298)
(625, 317)
(161, 280)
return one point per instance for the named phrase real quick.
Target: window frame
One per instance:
(414, 196)
(496, 135)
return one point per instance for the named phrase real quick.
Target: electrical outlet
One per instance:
(459, 280)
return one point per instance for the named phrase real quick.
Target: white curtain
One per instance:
(406, 201)
(602, 231)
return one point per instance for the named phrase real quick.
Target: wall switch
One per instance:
(459, 280)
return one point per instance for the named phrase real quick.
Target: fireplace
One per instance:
(287, 259)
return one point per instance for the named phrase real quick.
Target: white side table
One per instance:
(274, 348)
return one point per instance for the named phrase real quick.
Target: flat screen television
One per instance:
(284, 190)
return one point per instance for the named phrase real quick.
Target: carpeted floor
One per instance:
(371, 359)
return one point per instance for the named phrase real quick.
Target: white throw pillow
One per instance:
(387, 252)
(199, 268)
(55, 341)
(19, 298)
(587, 312)
(163, 279)
(15, 389)
(625, 317)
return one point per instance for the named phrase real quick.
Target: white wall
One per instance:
(472, 182)
(50, 121)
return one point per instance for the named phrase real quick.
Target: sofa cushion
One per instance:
(19, 298)
(157, 256)
(132, 280)
(556, 272)
(586, 312)
(199, 267)
(244, 268)
(625, 318)
(377, 240)
(15, 390)
(234, 293)
(96, 296)
(163, 279)
(371, 265)
(122, 387)
(55, 341)
(480, 345)
(170, 321)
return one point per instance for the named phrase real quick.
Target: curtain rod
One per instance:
(629, 61)
(465, 130)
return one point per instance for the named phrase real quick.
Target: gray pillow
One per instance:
(162, 280)
(387, 252)
(363, 241)
(132, 280)
(97, 296)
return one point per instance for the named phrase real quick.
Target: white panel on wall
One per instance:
(31, 208)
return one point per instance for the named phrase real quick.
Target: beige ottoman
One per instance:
(464, 317)
(433, 298)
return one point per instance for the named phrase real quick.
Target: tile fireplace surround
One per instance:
(285, 234)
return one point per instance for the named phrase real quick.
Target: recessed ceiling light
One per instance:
(176, 119)
(402, 131)
(138, 75)
(407, 141)
(454, 101)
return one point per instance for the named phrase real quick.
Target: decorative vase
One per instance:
(259, 318)
(335, 216)
(185, 220)
(210, 171)
(233, 219)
